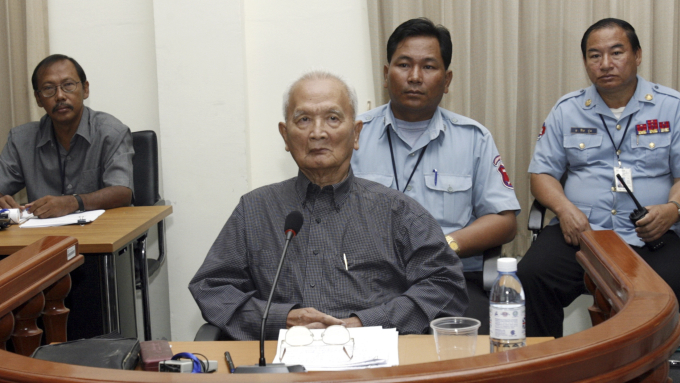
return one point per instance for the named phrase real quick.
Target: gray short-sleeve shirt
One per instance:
(100, 156)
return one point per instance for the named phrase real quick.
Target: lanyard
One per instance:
(62, 171)
(618, 149)
(394, 168)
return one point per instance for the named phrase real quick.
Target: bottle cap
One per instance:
(507, 264)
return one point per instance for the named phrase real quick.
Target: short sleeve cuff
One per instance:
(537, 168)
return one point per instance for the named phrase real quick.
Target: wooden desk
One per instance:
(633, 344)
(413, 349)
(110, 232)
(106, 282)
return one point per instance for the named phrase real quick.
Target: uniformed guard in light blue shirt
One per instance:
(621, 125)
(447, 162)
(576, 141)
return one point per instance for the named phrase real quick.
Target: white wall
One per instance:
(114, 43)
(284, 39)
(201, 88)
(208, 76)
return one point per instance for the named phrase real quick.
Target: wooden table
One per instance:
(106, 282)
(413, 349)
(110, 232)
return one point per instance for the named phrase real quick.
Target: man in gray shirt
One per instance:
(366, 255)
(74, 158)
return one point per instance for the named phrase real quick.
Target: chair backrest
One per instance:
(145, 164)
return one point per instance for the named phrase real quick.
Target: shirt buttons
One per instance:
(582, 145)
(412, 154)
(312, 285)
(618, 127)
(649, 97)
(613, 188)
(450, 189)
(316, 252)
(69, 186)
(651, 145)
(409, 187)
(613, 211)
(318, 220)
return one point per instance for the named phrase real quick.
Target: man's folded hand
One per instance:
(657, 222)
(311, 318)
(53, 206)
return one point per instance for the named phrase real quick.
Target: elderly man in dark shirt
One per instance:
(367, 255)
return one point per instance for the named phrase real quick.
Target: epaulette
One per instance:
(567, 96)
(666, 91)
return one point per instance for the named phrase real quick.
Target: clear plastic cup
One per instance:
(455, 337)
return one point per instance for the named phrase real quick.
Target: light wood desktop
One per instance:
(110, 232)
(413, 349)
(106, 282)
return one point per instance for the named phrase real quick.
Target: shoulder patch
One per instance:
(541, 133)
(498, 163)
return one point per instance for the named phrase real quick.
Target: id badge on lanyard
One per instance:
(625, 173)
(627, 176)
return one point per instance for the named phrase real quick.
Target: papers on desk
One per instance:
(71, 219)
(373, 347)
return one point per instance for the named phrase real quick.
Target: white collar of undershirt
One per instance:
(617, 112)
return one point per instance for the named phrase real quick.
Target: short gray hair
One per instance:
(321, 75)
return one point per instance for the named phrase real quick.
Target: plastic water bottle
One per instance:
(506, 311)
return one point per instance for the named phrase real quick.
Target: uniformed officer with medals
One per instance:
(623, 126)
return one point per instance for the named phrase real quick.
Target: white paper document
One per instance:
(373, 347)
(71, 219)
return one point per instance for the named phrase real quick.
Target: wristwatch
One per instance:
(453, 244)
(676, 205)
(81, 206)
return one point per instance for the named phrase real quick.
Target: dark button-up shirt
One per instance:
(400, 272)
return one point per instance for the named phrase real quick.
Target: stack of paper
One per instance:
(373, 347)
(71, 219)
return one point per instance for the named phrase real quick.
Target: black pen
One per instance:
(230, 363)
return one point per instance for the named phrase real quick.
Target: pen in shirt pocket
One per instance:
(344, 257)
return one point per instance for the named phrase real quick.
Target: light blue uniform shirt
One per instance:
(470, 177)
(589, 156)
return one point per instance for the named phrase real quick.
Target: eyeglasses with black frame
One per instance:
(50, 90)
(335, 335)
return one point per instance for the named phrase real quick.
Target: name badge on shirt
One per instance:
(627, 176)
(583, 130)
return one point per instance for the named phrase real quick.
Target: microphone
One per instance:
(294, 222)
(638, 214)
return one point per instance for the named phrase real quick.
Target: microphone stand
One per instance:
(273, 368)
